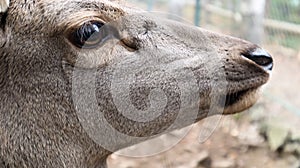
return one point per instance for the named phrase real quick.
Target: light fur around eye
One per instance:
(4, 4)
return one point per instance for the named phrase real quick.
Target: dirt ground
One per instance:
(239, 141)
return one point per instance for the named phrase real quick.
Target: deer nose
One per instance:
(261, 58)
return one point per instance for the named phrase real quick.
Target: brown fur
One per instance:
(39, 126)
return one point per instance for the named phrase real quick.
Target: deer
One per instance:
(80, 80)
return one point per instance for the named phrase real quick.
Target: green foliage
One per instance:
(292, 42)
(285, 10)
(283, 38)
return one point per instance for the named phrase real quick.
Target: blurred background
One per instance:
(267, 135)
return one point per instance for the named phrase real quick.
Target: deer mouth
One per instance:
(241, 100)
(235, 97)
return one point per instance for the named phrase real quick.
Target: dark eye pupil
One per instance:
(87, 32)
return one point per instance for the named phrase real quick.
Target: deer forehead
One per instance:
(57, 15)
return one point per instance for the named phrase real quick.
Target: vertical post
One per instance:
(176, 9)
(235, 23)
(253, 20)
(150, 5)
(198, 13)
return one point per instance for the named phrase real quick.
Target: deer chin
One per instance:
(241, 100)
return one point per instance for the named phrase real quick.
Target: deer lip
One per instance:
(235, 97)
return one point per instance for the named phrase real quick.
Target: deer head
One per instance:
(71, 70)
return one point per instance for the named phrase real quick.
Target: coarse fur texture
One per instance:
(39, 123)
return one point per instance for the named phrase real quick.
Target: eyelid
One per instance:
(76, 23)
(81, 16)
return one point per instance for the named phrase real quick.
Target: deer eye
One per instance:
(89, 35)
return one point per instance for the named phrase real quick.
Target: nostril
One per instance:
(260, 57)
(261, 60)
